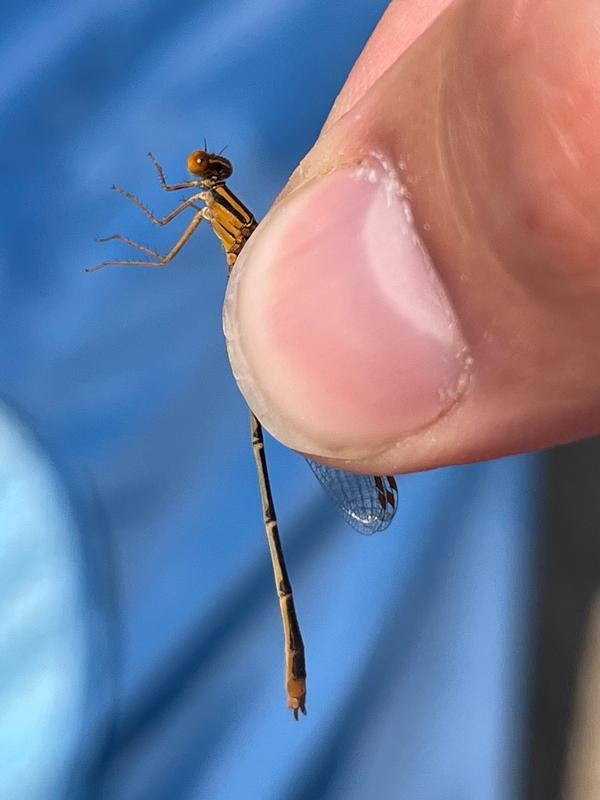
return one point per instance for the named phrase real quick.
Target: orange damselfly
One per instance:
(368, 502)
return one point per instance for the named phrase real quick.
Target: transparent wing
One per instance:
(368, 502)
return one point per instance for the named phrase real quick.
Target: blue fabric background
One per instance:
(169, 682)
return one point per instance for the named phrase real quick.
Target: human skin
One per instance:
(426, 290)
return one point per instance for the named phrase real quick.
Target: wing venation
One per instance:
(367, 502)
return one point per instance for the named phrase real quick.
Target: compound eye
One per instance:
(198, 162)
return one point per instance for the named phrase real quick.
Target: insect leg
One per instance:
(162, 261)
(118, 238)
(160, 220)
(175, 187)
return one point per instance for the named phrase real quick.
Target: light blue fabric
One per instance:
(43, 646)
(416, 640)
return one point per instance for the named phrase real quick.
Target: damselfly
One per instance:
(367, 502)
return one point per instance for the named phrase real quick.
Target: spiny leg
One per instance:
(189, 203)
(162, 260)
(118, 238)
(175, 187)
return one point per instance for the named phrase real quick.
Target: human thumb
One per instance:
(427, 289)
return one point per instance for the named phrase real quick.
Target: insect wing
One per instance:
(368, 502)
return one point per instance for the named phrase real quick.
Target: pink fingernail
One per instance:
(339, 331)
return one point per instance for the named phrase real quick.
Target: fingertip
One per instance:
(339, 332)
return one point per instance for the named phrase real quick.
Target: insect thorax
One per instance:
(230, 220)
